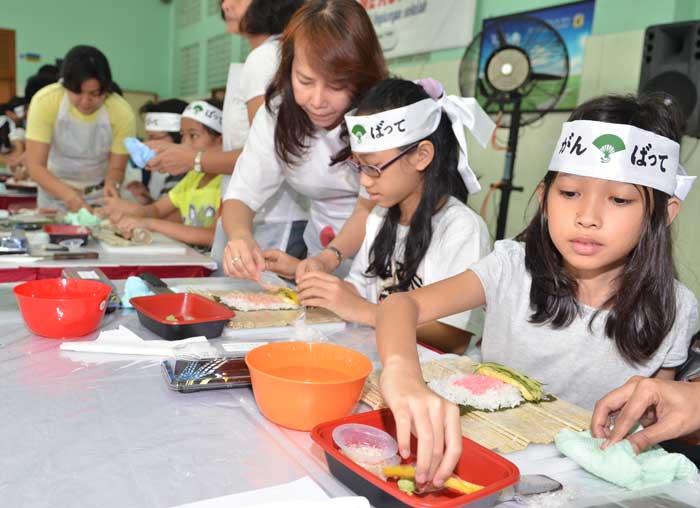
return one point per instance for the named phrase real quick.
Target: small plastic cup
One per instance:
(364, 443)
(72, 244)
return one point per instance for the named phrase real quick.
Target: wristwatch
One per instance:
(198, 162)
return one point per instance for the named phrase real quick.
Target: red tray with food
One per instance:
(480, 471)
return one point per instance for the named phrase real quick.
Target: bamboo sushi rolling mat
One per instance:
(273, 318)
(505, 431)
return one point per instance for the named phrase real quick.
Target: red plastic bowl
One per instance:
(62, 308)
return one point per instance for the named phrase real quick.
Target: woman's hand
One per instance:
(170, 158)
(433, 420)
(243, 258)
(320, 289)
(140, 192)
(280, 262)
(16, 163)
(667, 410)
(111, 189)
(75, 201)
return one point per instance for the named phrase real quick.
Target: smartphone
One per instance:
(205, 374)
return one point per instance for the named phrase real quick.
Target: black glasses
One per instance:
(376, 171)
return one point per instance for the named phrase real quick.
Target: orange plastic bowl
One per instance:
(301, 384)
(62, 308)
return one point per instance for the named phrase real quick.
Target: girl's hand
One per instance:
(280, 262)
(320, 289)
(126, 225)
(170, 158)
(115, 205)
(324, 261)
(243, 258)
(433, 420)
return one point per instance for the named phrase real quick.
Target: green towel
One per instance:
(619, 464)
(82, 218)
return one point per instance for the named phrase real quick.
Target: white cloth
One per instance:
(460, 238)
(331, 189)
(125, 342)
(575, 363)
(246, 81)
(79, 153)
(621, 153)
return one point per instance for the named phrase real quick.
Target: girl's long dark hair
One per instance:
(342, 46)
(440, 180)
(643, 308)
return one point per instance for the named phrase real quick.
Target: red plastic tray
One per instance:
(477, 465)
(60, 232)
(208, 317)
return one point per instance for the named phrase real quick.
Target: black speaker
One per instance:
(671, 64)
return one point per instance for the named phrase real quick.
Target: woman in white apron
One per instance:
(75, 133)
(330, 56)
(260, 22)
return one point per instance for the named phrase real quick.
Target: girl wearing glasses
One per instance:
(413, 167)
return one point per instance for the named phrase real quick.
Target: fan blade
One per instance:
(501, 37)
(540, 76)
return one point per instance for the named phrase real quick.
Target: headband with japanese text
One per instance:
(162, 122)
(622, 153)
(400, 127)
(204, 113)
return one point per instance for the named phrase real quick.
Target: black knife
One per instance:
(155, 283)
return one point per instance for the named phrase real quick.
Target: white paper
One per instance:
(124, 341)
(302, 493)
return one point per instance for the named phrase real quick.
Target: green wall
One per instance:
(134, 34)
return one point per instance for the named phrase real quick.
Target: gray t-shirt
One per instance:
(575, 364)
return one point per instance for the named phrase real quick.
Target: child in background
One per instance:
(584, 298)
(421, 231)
(197, 197)
(162, 121)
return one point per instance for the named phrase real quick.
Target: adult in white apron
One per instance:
(75, 133)
(294, 139)
(79, 154)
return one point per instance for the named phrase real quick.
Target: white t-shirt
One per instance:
(332, 190)
(460, 238)
(245, 82)
(575, 363)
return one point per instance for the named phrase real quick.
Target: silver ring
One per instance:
(235, 259)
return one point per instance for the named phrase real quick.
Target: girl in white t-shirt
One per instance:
(584, 298)
(421, 231)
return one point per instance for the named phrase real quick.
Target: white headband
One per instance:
(204, 113)
(19, 110)
(622, 153)
(403, 126)
(162, 122)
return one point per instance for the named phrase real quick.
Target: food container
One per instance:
(301, 384)
(364, 443)
(477, 465)
(62, 308)
(175, 316)
(60, 232)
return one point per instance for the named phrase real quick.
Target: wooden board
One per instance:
(505, 431)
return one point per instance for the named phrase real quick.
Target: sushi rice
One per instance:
(478, 391)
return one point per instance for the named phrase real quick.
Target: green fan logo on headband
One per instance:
(359, 131)
(608, 144)
(198, 109)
